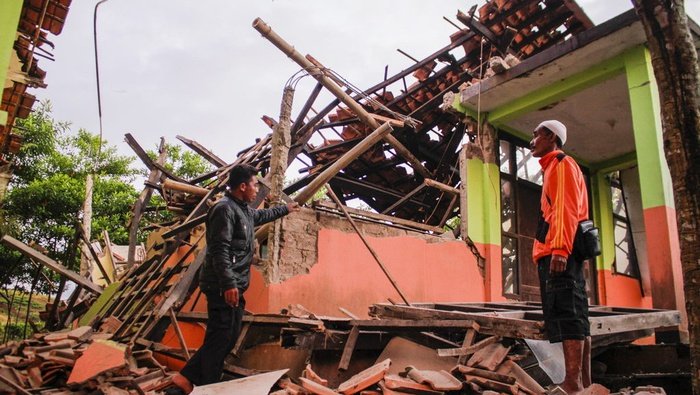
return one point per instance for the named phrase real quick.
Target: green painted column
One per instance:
(603, 218)
(9, 19)
(484, 221)
(661, 231)
(646, 122)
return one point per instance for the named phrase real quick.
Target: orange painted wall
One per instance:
(621, 291)
(347, 276)
(663, 252)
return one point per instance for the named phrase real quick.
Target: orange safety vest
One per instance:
(564, 203)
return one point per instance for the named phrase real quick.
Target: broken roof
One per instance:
(37, 19)
(382, 178)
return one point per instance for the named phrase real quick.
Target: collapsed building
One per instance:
(438, 155)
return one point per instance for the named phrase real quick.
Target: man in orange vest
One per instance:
(564, 203)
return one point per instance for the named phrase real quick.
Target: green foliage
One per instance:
(182, 162)
(43, 204)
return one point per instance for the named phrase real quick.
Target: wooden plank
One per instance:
(349, 348)
(185, 226)
(634, 322)
(50, 263)
(178, 332)
(93, 255)
(453, 352)
(358, 214)
(202, 151)
(413, 325)
(241, 339)
(150, 164)
(468, 341)
(141, 203)
(490, 325)
(404, 199)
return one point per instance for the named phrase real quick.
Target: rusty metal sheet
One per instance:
(259, 384)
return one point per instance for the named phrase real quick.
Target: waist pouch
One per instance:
(587, 240)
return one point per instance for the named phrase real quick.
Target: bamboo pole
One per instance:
(328, 83)
(342, 162)
(364, 240)
(331, 171)
(441, 186)
(184, 187)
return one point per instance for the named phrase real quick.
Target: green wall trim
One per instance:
(484, 202)
(458, 106)
(624, 161)
(656, 186)
(557, 91)
(3, 117)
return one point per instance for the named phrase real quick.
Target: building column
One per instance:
(657, 193)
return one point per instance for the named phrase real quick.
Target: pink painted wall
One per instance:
(346, 275)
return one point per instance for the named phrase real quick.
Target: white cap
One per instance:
(555, 127)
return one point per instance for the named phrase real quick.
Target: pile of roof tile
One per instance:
(77, 361)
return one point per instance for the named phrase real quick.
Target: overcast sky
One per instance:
(198, 68)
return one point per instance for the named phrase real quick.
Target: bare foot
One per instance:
(182, 382)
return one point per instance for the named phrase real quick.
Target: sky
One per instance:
(199, 69)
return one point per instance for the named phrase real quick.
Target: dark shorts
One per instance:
(564, 301)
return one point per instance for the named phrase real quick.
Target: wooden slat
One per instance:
(53, 265)
(349, 348)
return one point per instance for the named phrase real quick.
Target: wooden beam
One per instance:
(50, 263)
(358, 214)
(315, 70)
(405, 198)
(141, 204)
(349, 348)
(93, 254)
(204, 152)
(180, 337)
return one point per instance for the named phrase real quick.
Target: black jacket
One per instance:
(230, 239)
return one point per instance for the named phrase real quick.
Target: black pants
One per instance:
(564, 301)
(223, 328)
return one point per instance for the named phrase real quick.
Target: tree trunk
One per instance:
(85, 260)
(675, 63)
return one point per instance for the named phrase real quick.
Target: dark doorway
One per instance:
(521, 188)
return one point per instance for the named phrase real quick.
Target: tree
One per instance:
(675, 63)
(43, 203)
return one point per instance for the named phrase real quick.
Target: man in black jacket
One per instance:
(225, 275)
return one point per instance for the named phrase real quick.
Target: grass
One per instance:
(16, 329)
